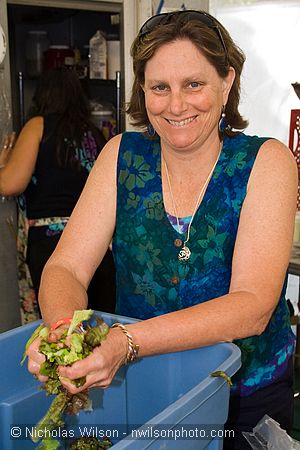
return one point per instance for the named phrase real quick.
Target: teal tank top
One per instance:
(152, 281)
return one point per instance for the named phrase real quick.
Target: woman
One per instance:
(50, 163)
(201, 219)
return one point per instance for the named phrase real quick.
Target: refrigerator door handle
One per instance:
(21, 98)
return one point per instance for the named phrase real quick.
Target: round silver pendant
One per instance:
(184, 254)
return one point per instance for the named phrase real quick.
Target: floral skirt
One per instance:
(28, 296)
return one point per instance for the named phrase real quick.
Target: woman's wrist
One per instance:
(132, 347)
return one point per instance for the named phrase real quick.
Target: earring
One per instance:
(150, 130)
(222, 122)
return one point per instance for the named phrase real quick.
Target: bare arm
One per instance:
(16, 174)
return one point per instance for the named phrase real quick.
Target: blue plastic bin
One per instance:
(161, 402)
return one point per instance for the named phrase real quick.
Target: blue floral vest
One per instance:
(150, 278)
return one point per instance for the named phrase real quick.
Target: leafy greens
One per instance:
(74, 344)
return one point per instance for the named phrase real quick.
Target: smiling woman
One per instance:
(183, 92)
(195, 206)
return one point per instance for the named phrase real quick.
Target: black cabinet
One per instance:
(67, 28)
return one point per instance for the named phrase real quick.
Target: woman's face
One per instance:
(184, 95)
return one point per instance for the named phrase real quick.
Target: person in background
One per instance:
(50, 163)
(201, 220)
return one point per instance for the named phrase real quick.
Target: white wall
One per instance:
(269, 34)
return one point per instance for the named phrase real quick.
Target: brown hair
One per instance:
(207, 40)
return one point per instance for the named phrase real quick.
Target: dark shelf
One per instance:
(64, 26)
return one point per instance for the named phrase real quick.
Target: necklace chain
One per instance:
(185, 252)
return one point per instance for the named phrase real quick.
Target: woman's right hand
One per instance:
(35, 360)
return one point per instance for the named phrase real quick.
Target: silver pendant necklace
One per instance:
(185, 252)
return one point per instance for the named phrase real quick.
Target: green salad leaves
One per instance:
(70, 345)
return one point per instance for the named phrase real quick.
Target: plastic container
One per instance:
(105, 121)
(155, 396)
(36, 45)
(59, 56)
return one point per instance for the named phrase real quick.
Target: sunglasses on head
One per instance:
(166, 18)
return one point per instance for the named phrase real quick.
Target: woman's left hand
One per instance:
(100, 366)
(8, 144)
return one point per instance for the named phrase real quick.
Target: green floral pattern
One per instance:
(136, 172)
(152, 281)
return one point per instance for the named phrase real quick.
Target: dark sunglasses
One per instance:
(165, 18)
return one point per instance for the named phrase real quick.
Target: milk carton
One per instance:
(98, 56)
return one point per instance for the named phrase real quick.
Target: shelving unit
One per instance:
(71, 27)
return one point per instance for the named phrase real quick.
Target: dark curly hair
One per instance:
(209, 43)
